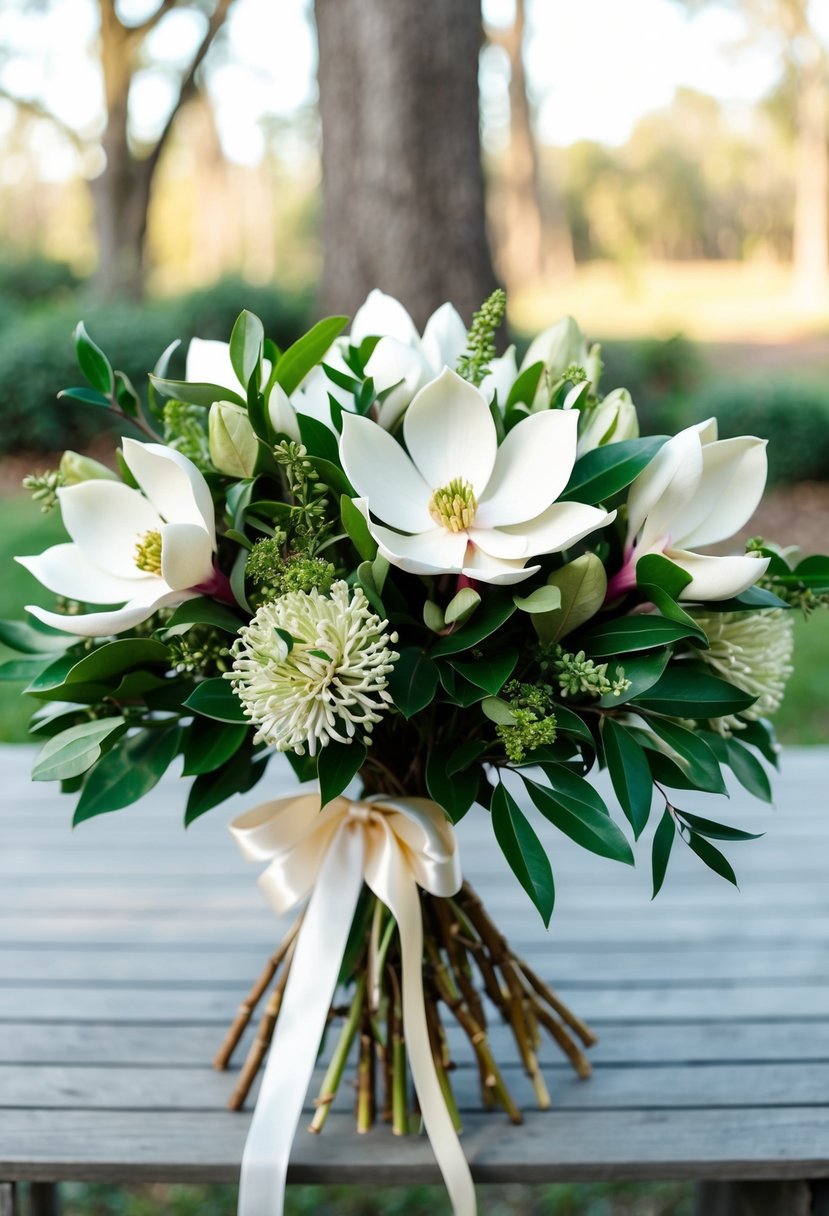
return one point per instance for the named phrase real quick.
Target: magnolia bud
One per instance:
(77, 468)
(611, 421)
(234, 448)
(559, 347)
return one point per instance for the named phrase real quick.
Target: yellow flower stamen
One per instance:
(148, 553)
(454, 505)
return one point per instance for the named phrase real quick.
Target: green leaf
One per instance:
(523, 850)
(365, 579)
(582, 585)
(654, 569)
(454, 792)
(93, 362)
(620, 635)
(205, 611)
(760, 734)
(357, 529)
(712, 857)
(306, 352)
(464, 755)
(524, 388)
(664, 769)
(643, 671)
(75, 750)
(600, 474)
(319, 440)
(337, 765)
(88, 396)
(332, 475)
(128, 772)
(114, 658)
(577, 816)
(670, 609)
(688, 692)
(159, 372)
(209, 744)
(491, 615)
(26, 669)
(498, 711)
(491, 673)
(195, 394)
(246, 342)
(413, 681)
(543, 599)
(216, 699)
(629, 773)
(433, 617)
(715, 831)
(236, 777)
(746, 767)
(663, 841)
(695, 756)
(461, 606)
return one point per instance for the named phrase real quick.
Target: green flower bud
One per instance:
(77, 468)
(234, 448)
(610, 421)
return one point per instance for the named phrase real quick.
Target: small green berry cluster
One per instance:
(576, 674)
(274, 574)
(480, 341)
(534, 723)
(185, 429)
(44, 487)
(202, 650)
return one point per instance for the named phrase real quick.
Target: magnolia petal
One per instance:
(497, 571)
(381, 472)
(499, 543)
(502, 374)
(561, 525)
(665, 487)
(438, 551)
(208, 362)
(66, 570)
(399, 371)
(533, 466)
(281, 413)
(450, 433)
(733, 479)
(444, 338)
(104, 624)
(314, 398)
(106, 519)
(172, 483)
(717, 578)
(186, 556)
(382, 316)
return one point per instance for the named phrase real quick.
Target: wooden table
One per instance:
(126, 945)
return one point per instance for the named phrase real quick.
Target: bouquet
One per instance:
(440, 583)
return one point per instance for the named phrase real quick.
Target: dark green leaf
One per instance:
(204, 611)
(746, 767)
(128, 772)
(760, 734)
(210, 744)
(684, 691)
(572, 724)
(712, 857)
(578, 817)
(455, 792)
(662, 844)
(236, 777)
(88, 396)
(320, 441)
(307, 352)
(29, 668)
(413, 681)
(670, 609)
(93, 362)
(216, 699)
(629, 773)
(337, 765)
(491, 615)
(524, 388)
(490, 673)
(246, 342)
(195, 394)
(715, 831)
(523, 850)
(76, 749)
(463, 756)
(114, 658)
(621, 635)
(603, 472)
(332, 475)
(696, 757)
(357, 529)
(654, 569)
(643, 671)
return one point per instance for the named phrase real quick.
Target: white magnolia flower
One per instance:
(208, 362)
(458, 502)
(613, 419)
(559, 347)
(697, 490)
(752, 650)
(329, 684)
(146, 548)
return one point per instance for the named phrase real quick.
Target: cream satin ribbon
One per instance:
(394, 845)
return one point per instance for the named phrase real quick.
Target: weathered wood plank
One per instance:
(787, 1142)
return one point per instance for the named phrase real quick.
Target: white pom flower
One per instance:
(752, 650)
(328, 683)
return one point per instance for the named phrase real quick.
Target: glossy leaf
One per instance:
(579, 818)
(413, 681)
(713, 830)
(582, 585)
(689, 692)
(357, 529)
(210, 744)
(621, 635)
(489, 673)
(629, 774)
(642, 670)
(205, 611)
(600, 474)
(319, 440)
(128, 772)
(524, 387)
(195, 393)
(744, 765)
(523, 851)
(696, 757)
(455, 792)
(712, 857)
(93, 362)
(246, 343)
(236, 777)
(491, 615)
(337, 766)
(307, 352)
(216, 699)
(76, 749)
(663, 842)
(543, 599)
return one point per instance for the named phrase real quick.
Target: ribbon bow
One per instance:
(394, 845)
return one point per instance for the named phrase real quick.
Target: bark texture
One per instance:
(403, 186)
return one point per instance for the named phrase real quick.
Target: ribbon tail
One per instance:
(400, 894)
(308, 994)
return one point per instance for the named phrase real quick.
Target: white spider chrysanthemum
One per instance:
(329, 684)
(752, 650)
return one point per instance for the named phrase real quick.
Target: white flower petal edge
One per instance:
(208, 362)
(432, 494)
(148, 551)
(384, 317)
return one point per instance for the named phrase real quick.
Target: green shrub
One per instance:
(793, 417)
(34, 279)
(660, 375)
(37, 356)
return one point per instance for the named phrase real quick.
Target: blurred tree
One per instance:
(403, 188)
(121, 192)
(806, 63)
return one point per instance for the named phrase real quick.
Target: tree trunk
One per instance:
(811, 220)
(403, 188)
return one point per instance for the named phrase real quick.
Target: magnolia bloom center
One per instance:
(752, 650)
(148, 552)
(454, 505)
(310, 669)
